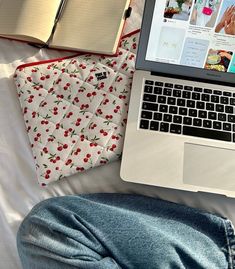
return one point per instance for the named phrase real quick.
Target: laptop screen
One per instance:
(194, 33)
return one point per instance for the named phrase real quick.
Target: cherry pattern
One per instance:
(75, 110)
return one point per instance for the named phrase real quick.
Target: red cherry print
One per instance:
(58, 158)
(88, 155)
(48, 171)
(47, 176)
(65, 146)
(68, 162)
(85, 160)
(60, 148)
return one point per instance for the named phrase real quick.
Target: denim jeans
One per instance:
(111, 231)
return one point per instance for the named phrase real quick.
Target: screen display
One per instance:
(195, 33)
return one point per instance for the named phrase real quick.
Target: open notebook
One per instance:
(84, 25)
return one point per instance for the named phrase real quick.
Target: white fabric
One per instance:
(19, 190)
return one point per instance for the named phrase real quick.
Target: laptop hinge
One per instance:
(192, 79)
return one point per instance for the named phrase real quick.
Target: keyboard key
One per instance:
(150, 98)
(148, 82)
(169, 85)
(181, 102)
(154, 125)
(146, 115)
(206, 97)
(183, 111)
(164, 127)
(158, 83)
(196, 96)
(175, 129)
(167, 91)
(186, 95)
(227, 126)
(200, 105)
(177, 86)
(150, 106)
(217, 92)
(162, 99)
(212, 116)
(197, 89)
(232, 101)
(222, 117)
(227, 94)
(233, 137)
(173, 109)
(188, 88)
(207, 123)
(192, 113)
(197, 122)
(210, 106)
(157, 90)
(163, 108)
(177, 119)
(219, 108)
(217, 125)
(188, 121)
(215, 99)
(202, 114)
(144, 124)
(234, 127)
(231, 118)
(229, 109)
(171, 101)
(167, 118)
(191, 103)
(148, 89)
(177, 93)
(224, 100)
(207, 91)
(204, 133)
(157, 116)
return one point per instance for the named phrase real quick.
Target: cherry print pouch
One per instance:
(75, 109)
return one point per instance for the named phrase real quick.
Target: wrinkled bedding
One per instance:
(19, 190)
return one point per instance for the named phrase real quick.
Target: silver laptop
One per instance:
(181, 124)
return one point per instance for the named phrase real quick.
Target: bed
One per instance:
(19, 190)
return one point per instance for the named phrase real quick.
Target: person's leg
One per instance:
(109, 231)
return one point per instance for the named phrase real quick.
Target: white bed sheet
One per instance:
(19, 191)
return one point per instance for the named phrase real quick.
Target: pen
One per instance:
(60, 10)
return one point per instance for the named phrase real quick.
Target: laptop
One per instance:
(181, 123)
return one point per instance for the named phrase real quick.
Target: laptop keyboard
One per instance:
(187, 110)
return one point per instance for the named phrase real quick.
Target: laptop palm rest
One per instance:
(202, 163)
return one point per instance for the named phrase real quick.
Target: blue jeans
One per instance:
(111, 231)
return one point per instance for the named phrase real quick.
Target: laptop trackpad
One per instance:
(209, 167)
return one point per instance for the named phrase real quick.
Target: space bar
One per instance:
(205, 133)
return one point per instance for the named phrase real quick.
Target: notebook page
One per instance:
(90, 25)
(33, 18)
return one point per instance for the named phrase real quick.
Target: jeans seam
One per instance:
(229, 230)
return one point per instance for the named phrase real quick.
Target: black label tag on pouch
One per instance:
(101, 76)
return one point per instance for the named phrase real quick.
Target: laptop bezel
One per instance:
(172, 70)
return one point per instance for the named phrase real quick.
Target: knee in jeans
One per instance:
(33, 222)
